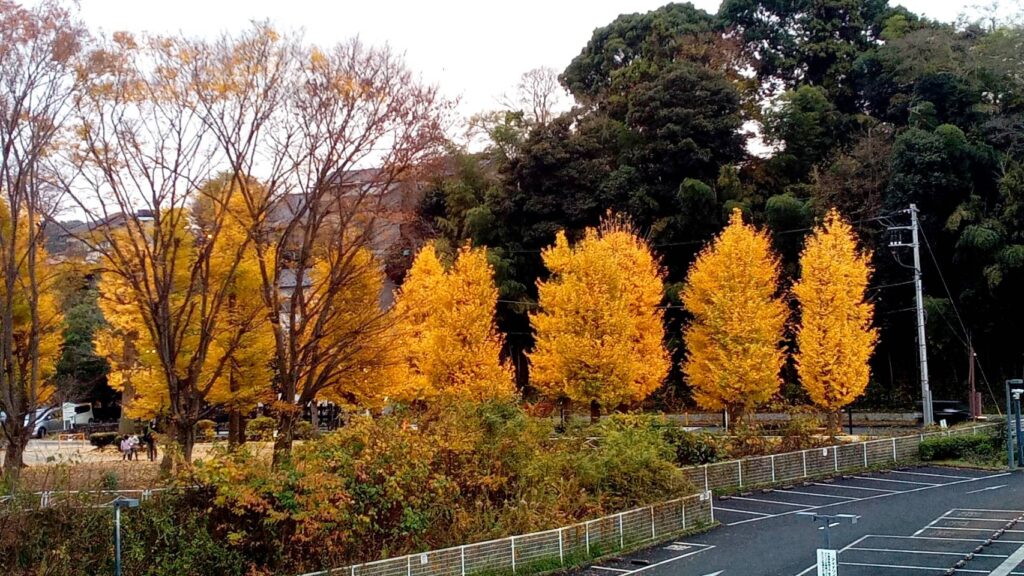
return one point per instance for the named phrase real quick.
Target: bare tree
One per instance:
(331, 137)
(143, 157)
(538, 95)
(38, 51)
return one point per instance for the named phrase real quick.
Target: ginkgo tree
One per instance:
(599, 331)
(835, 338)
(451, 346)
(733, 343)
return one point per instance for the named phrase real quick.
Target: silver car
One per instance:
(46, 421)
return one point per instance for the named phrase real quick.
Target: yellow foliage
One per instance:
(599, 329)
(733, 344)
(31, 392)
(446, 324)
(835, 339)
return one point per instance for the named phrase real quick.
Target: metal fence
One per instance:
(763, 470)
(551, 549)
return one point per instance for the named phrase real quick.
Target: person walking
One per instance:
(126, 448)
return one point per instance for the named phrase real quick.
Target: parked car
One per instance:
(77, 414)
(46, 421)
(952, 411)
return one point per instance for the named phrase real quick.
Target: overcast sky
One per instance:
(474, 50)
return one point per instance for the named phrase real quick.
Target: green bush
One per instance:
(972, 447)
(205, 430)
(101, 439)
(261, 428)
(304, 431)
(691, 448)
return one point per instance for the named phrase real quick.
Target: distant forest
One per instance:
(782, 109)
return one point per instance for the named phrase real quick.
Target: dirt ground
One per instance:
(77, 465)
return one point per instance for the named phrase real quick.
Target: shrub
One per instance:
(304, 431)
(261, 428)
(101, 439)
(973, 447)
(691, 448)
(801, 432)
(205, 430)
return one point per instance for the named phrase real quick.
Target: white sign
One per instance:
(828, 565)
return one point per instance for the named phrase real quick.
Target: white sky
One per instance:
(473, 50)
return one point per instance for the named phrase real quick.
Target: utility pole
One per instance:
(975, 401)
(922, 345)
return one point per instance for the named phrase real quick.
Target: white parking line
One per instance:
(972, 529)
(976, 519)
(897, 481)
(856, 488)
(717, 508)
(933, 569)
(609, 569)
(745, 499)
(1010, 563)
(932, 475)
(960, 554)
(814, 494)
(933, 522)
(872, 497)
(935, 538)
(983, 509)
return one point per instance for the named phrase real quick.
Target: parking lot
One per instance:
(961, 541)
(759, 505)
(916, 520)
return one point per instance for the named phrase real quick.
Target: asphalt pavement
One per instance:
(911, 521)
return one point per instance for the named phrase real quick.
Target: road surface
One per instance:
(913, 521)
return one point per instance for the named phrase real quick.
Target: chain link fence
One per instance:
(816, 462)
(551, 549)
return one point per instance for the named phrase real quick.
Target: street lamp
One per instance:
(1014, 388)
(119, 503)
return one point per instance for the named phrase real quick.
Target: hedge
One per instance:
(959, 447)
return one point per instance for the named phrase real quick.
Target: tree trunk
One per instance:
(14, 457)
(835, 423)
(125, 425)
(285, 434)
(184, 440)
(235, 435)
(595, 412)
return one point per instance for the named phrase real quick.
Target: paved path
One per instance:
(913, 521)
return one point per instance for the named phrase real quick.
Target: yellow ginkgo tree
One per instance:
(599, 331)
(835, 339)
(733, 344)
(451, 347)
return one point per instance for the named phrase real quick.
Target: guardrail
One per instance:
(550, 549)
(763, 470)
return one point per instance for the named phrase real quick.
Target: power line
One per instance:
(959, 319)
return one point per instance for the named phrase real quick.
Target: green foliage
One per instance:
(101, 439)
(261, 428)
(304, 431)
(381, 487)
(692, 448)
(206, 430)
(972, 448)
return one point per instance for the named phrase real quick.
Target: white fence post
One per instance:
(462, 556)
(621, 536)
(586, 525)
(894, 457)
(835, 456)
(773, 468)
(513, 540)
(653, 533)
(865, 444)
(706, 477)
(561, 556)
(804, 454)
(682, 505)
(739, 466)
(408, 565)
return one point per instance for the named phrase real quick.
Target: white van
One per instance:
(76, 415)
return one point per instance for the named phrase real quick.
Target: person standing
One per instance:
(126, 448)
(149, 439)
